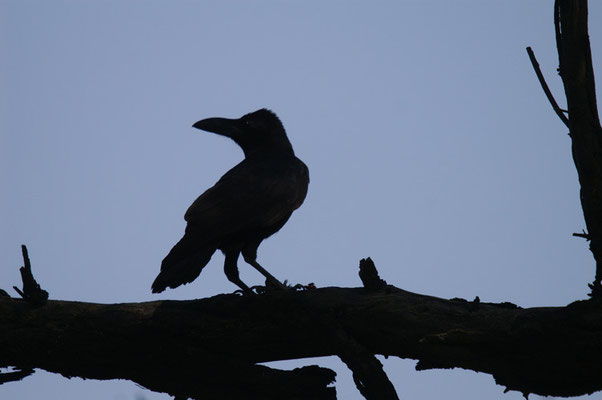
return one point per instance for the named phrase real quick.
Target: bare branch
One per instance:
(32, 292)
(369, 275)
(552, 351)
(577, 73)
(368, 374)
(545, 88)
(583, 235)
(15, 376)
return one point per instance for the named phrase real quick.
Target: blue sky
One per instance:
(430, 144)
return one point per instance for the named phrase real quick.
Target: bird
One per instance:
(251, 202)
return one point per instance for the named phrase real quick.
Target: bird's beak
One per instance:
(221, 126)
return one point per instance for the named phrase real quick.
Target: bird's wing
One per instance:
(248, 197)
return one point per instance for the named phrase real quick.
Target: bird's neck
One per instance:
(268, 151)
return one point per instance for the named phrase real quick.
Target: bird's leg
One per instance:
(231, 271)
(249, 259)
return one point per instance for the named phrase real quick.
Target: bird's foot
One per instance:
(272, 287)
(286, 286)
(269, 287)
(247, 291)
(257, 289)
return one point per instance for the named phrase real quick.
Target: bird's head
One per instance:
(257, 132)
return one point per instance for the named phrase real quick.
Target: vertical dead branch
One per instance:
(577, 73)
(32, 292)
(369, 275)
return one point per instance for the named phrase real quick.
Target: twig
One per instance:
(545, 87)
(582, 235)
(32, 292)
(15, 375)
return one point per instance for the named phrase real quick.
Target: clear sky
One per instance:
(431, 149)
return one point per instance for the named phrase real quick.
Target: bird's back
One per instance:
(249, 201)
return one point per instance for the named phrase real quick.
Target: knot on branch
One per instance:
(32, 292)
(369, 275)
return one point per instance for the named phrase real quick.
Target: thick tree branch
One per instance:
(171, 345)
(577, 73)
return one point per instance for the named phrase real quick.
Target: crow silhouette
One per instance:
(248, 204)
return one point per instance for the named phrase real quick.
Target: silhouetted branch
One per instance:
(577, 73)
(32, 292)
(15, 375)
(369, 275)
(581, 235)
(223, 378)
(545, 87)
(187, 346)
(368, 374)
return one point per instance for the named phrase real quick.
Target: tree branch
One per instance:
(549, 351)
(369, 275)
(32, 292)
(368, 374)
(14, 376)
(545, 87)
(576, 71)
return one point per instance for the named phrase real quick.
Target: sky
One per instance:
(430, 144)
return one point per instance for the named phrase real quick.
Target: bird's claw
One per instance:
(271, 287)
(254, 290)
(244, 292)
(286, 286)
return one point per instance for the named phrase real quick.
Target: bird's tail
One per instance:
(183, 263)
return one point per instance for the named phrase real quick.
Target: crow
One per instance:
(249, 203)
